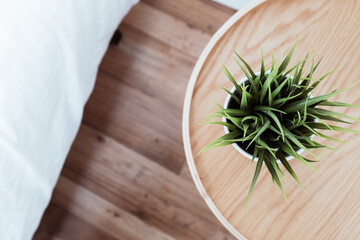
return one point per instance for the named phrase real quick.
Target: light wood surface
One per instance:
(126, 175)
(330, 207)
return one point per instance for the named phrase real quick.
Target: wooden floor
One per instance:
(126, 175)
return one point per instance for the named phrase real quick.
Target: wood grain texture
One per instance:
(125, 176)
(157, 196)
(175, 32)
(105, 216)
(206, 16)
(330, 207)
(66, 226)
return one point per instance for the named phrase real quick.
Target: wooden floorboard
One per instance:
(167, 28)
(206, 16)
(137, 120)
(60, 224)
(126, 175)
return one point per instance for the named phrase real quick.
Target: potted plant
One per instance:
(271, 116)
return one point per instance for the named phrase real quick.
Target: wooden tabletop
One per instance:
(330, 207)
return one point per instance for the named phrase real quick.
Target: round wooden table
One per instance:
(330, 207)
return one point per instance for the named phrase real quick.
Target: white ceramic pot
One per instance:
(236, 146)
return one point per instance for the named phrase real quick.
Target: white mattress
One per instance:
(49, 55)
(235, 4)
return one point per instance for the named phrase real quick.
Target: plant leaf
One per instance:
(266, 108)
(298, 105)
(276, 120)
(286, 147)
(287, 166)
(338, 104)
(230, 135)
(262, 71)
(325, 112)
(231, 78)
(226, 124)
(275, 177)
(287, 59)
(247, 65)
(262, 129)
(231, 94)
(332, 127)
(292, 138)
(256, 175)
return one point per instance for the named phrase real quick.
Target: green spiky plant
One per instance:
(273, 114)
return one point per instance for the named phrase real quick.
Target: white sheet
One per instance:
(49, 54)
(235, 4)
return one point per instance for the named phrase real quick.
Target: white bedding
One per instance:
(49, 54)
(235, 4)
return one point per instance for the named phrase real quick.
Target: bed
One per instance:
(49, 55)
